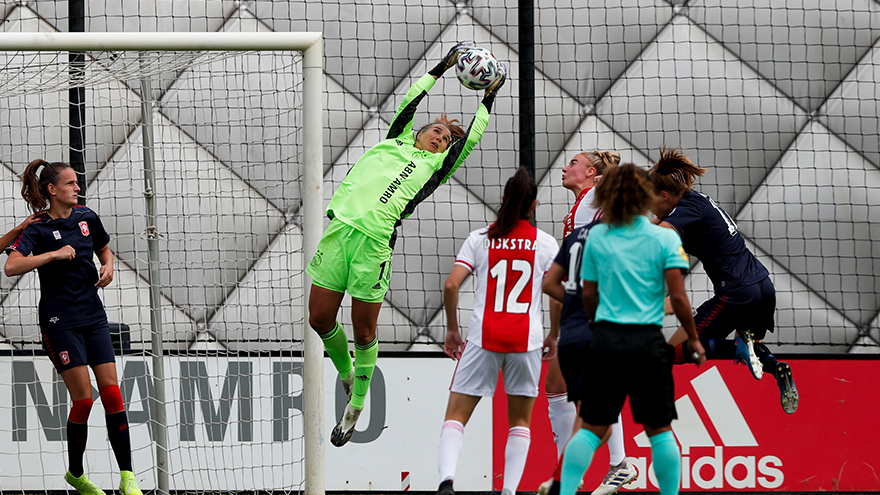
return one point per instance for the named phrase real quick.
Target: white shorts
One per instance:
(477, 372)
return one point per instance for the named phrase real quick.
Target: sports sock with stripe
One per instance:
(451, 442)
(562, 414)
(117, 426)
(336, 345)
(667, 462)
(578, 455)
(364, 364)
(77, 434)
(515, 453)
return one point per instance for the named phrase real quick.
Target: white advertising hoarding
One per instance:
(235, 423)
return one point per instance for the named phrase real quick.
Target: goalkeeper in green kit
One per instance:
(354, 255)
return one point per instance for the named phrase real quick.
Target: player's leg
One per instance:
(666, 457)
(458, 411)
(67, 351)
(79, 387)
(519, 437)
(620, 471)
(601, 403)
(560, 410)
(578, 456)
(475, 376)
(522, 375)
(364, 318)
(652, 400)
(103, 362)
(571, 357)
(764, 321)
(329, 270)
(323, 308)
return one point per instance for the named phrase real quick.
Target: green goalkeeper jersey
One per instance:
(393, 177)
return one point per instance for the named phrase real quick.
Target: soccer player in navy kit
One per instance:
(60, 245)
(744, 300)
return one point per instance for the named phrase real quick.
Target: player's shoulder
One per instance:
(83, 211)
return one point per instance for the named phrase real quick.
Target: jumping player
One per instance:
(60, 245)
(580, 176)
(354, 255)
(626, 263)
(744, 300)
(505, 331)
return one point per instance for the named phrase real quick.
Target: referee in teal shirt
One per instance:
(626, 261)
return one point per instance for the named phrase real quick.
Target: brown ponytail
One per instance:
(35, 182)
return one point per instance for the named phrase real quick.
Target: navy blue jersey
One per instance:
(708, 233)
(68, 296)
(574, 324)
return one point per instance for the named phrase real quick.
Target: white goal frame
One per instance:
(311, 46)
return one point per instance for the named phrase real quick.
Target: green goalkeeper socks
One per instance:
(364, 364)
(336, 345)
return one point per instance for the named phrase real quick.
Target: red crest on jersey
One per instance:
(84, 227)
(65, 358)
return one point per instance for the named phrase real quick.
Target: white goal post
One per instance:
(123, 57)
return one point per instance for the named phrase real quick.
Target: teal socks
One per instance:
(667, 462)
(576, 460)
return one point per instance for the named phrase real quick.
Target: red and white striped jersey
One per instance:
(582, 212)
(508, 294)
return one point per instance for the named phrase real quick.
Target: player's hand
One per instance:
(106, 275)
(66, 253)
(453, 345)
(27, 221)
(492, 91)
(451, 58)
(551, 347)
(698, 354)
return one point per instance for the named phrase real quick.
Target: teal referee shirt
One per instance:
(628, 264)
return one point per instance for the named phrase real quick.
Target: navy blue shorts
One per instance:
(752, 308)
(628, 360)
(78, 346)
(572, 359)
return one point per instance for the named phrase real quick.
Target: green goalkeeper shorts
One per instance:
(347, 260)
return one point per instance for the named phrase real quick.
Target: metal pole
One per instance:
(313, 203)
(152, 233)
(77, 97)
(526, 30)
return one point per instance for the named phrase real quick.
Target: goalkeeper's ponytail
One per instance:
(519, 194)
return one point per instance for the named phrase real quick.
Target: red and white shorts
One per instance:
(477, 372)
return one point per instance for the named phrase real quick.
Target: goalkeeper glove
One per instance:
(451, 58)
(492, 90)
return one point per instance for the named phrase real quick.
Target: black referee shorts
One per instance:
(628, 360)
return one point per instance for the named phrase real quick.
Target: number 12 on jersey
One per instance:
(517, 271)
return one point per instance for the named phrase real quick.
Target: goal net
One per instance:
(195, 150)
